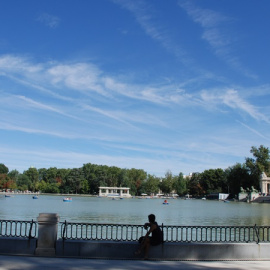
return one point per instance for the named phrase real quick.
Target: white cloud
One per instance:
(49, 20)
(216, 32)
(18, 64)
(142, 12)
(77, 76)
(84, 77)
(255, 131)
(231, 99)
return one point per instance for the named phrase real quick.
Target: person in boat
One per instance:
(155, 239)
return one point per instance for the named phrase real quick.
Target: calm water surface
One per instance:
(135, 211)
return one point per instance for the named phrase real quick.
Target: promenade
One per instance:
(44, 263)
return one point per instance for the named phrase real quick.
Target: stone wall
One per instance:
(125, 250)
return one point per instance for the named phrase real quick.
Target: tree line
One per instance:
(88, 178)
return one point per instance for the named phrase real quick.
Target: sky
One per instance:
(159, 85)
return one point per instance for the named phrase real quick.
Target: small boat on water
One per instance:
(35, 197)
(7, 195)
(67, 199)
(165, 202)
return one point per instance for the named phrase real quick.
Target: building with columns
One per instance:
(114, 192)
(265, 184)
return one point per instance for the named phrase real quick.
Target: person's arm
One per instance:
(152, 227)
(146, 225)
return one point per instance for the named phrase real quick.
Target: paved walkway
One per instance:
(41, 263)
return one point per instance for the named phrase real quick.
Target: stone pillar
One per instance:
(47, 234)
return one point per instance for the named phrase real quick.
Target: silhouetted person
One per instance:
(155, 239)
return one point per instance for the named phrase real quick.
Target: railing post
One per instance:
(30, 230)
(47, 234)
(257, 234)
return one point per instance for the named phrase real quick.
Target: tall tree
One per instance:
(237, 176)
(32, 174)
(23, 182)
(257, 165)
(167, 184)
(194, 186)
(3, 169)
(180, 185)
(14, 174)
(151, 184)
(213, 180)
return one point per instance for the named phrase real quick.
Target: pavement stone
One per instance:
(46, 263)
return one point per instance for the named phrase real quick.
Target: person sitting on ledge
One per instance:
(155, 239)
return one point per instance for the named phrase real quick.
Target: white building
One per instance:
(122, 192)
(265, 184)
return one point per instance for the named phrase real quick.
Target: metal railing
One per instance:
(16, 228)
(117, 232)
(113, 232)
(127, 232)
(230, 234)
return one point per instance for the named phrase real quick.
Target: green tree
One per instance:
(194, 186)
(137, 178)
(3, 169)
(32, 174)
(167, 183)
(151, 184)
(14, 174)
(180, 185)
(257, 165)
(23, 182)
(237, 176)
(113, 174)
(4, 178)
(42, 186)
(84, 186)
(74, 179)
(213, 181)
(42, 174)
(52, 188)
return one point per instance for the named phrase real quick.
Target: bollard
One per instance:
(47, 234)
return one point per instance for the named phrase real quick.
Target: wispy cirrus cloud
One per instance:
(83, 77)
(232, 99)
(65, 79)
(61, 82)
(143, 14)
(216, 32)
(254, 131)
(49, 20)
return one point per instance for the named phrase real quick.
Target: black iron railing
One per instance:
(117, 232)
(16, 228)
(236, 234)
(113, 232)
(127, 232)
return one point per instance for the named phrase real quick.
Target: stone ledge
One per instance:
(17, 245)
(125, 250)
(167, 251)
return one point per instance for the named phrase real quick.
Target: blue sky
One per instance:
(149, 84)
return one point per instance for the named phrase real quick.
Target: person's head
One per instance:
(152, 218)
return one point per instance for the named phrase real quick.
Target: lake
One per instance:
(135, 211)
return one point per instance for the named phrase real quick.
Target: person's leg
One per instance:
(141, 247)
(146, 247)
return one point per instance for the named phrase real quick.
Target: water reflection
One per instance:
(135, 211)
